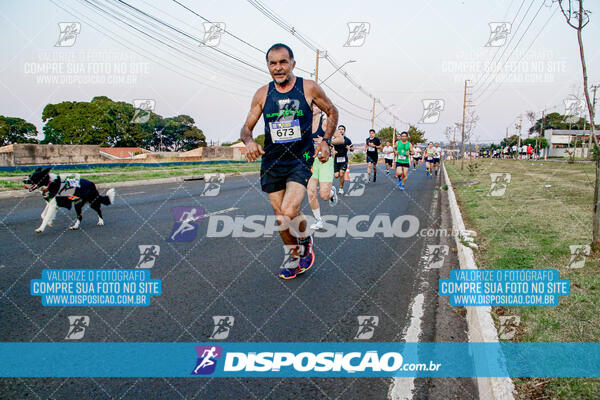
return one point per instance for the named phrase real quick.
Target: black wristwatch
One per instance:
(328, 141)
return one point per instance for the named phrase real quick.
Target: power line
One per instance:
(494, 70)
(177, 43)
(192, 37)
(498, 48)
(310, 44)
(231, 34)
(517, 45)
(135, 49)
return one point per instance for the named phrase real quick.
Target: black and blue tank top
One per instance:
(288, 126)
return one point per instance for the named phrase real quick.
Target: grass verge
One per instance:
(532, 226)
(104, 175)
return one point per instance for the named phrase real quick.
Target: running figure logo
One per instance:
(500, 183)
(212, 184)
(207, 359)
(68, 34)
(212, 33)
(148, 254)
(366, 326)
(185, 227)
(432, 109)
(435, 255)
(579, 253)
(574, 108)
(77, 326)
(357, 184)
(357, 33)
(223, 324)
(499, 32)
(143, 108)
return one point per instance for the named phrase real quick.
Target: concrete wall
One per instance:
(7, 158)
(216, 153)
(37, 154)
(562, 152)
(33, 154)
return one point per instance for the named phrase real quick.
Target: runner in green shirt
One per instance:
(403, 151)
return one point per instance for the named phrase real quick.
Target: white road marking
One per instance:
(221, 211)
(402, 388)
(129, 194)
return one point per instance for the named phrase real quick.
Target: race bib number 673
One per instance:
(285, 131)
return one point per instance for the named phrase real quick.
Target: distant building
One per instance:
(560, 140)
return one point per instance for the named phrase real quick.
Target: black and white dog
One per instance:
(65, 192)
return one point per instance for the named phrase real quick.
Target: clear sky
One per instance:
(414, 51)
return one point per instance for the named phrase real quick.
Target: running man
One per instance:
(208, 355)
(388, 156)
(417, 156)
(322, 176)
(403, 151)
(341, 145)
(373, 145)
(186, 220)
(437, 156)
(429, 154)
(286, 107)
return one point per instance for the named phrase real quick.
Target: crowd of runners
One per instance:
(306, 150)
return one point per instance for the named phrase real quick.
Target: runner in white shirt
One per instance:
(388, 156)
(416, 157)
(437, 157)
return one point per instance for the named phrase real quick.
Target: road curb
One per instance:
(24, 193)
(479, 319)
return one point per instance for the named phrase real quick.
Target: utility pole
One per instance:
(454, 142)
(592, 127)
(463, 127)
(520, 126)
(373, 120)
(542, 133)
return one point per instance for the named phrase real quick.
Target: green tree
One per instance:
(386, 134)
(16, 130)
(540, 141)
(101, 121)
(260, 139)
(109, 123)
(510, 141)
(415, 136)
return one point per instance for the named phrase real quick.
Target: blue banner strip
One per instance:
(299, 359)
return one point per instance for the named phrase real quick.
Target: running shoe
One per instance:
(318, 225)
(289, 273)
(399, 183)
(290, 269)
(333, 200)
(341, 191)
(308, 260)
(401, 187)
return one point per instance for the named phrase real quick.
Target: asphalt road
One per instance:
(227, 276)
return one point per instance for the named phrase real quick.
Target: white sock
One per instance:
(317, 213)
